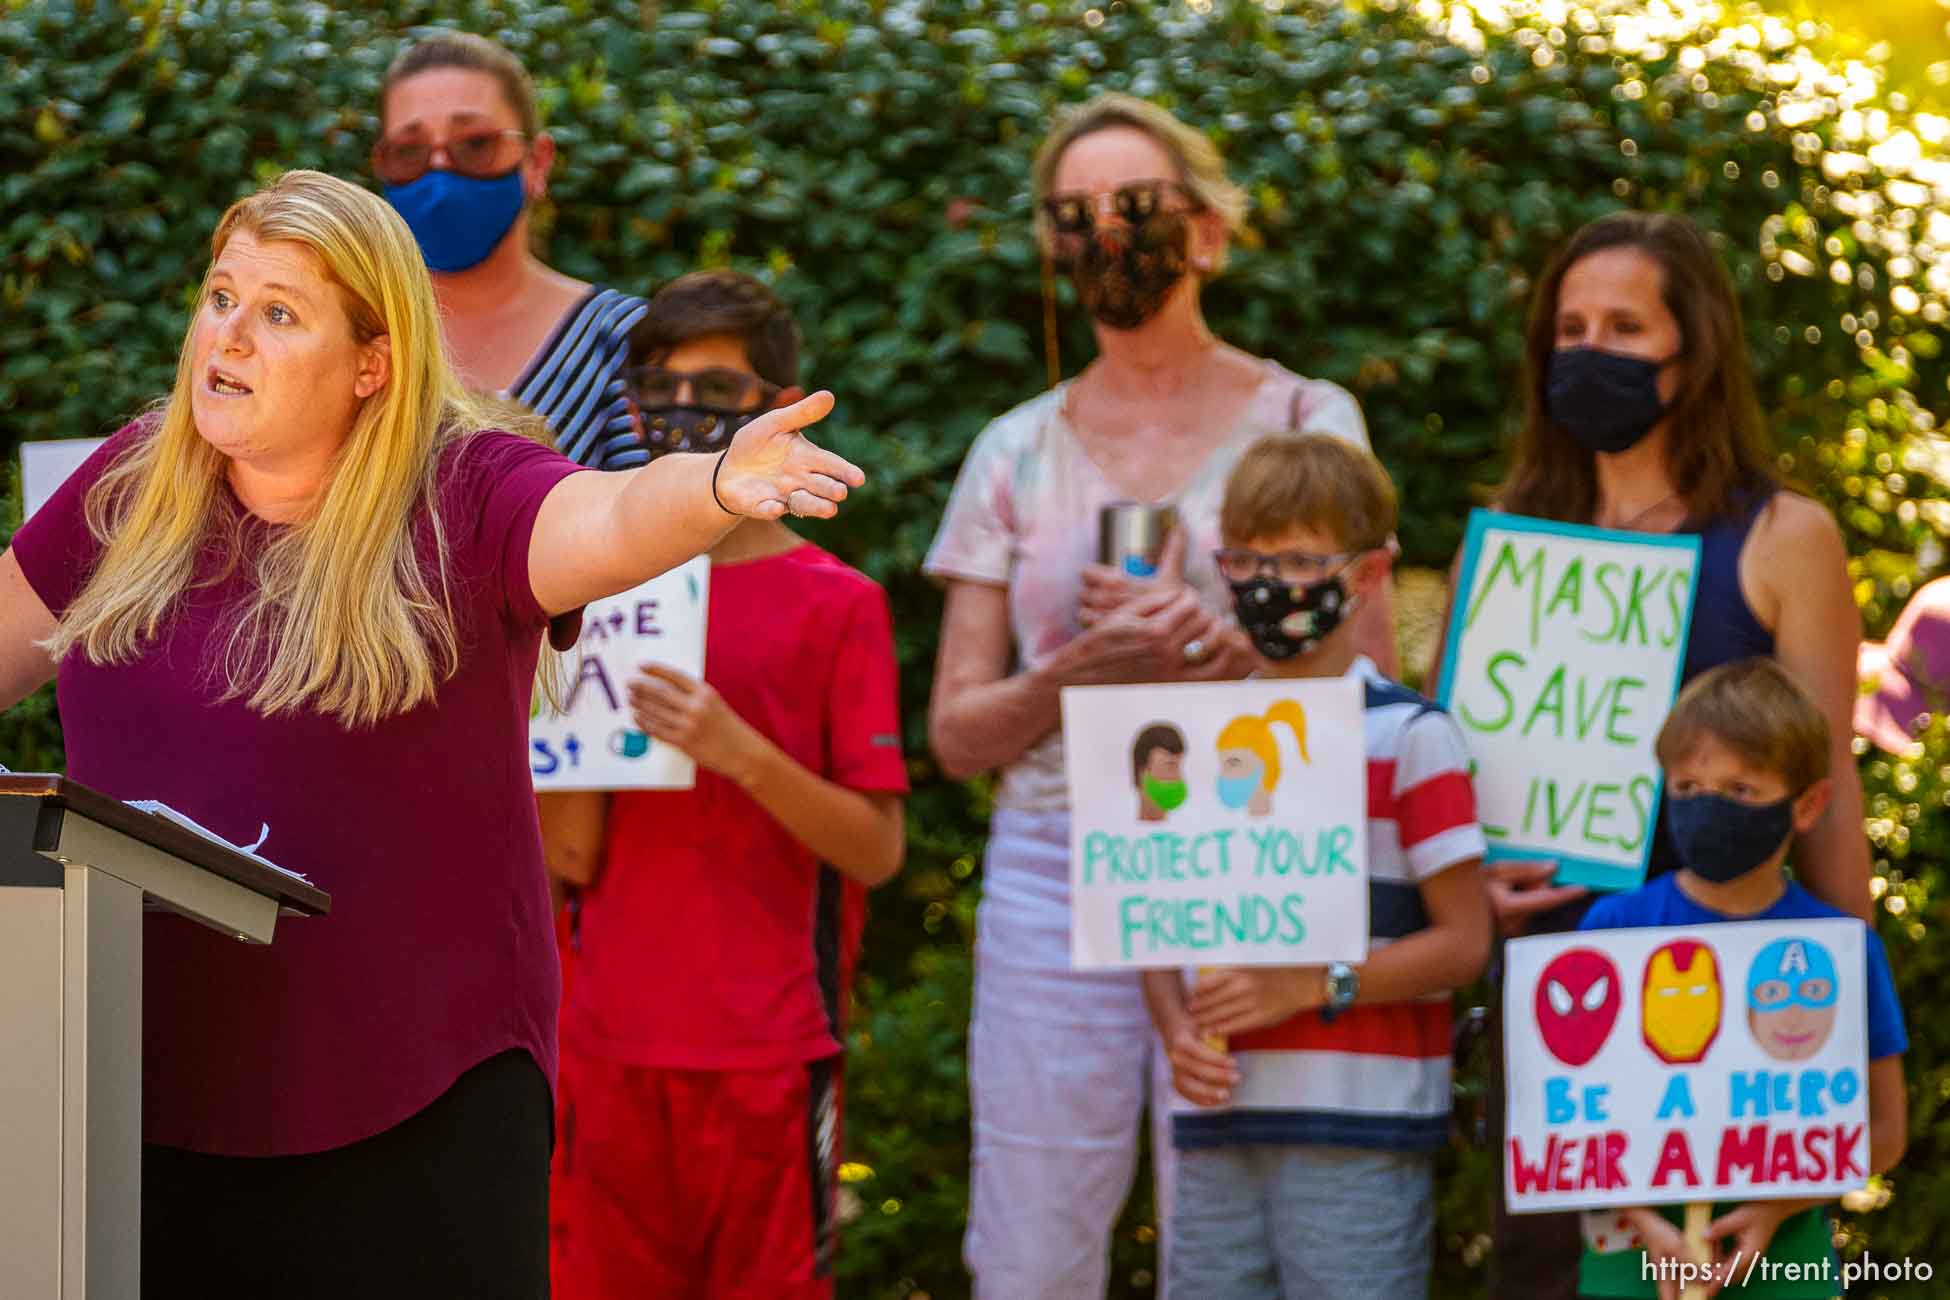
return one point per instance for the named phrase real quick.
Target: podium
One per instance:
(77, 871)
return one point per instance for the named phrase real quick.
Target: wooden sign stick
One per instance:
(1698, 1215)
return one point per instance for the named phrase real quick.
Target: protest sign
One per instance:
(1564, 652)
(45, 466)
(594, 743)
(1217, 824)
(1666, 1065)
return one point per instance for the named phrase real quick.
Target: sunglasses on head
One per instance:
(1135, 204)
(483, 155)
(718, 387)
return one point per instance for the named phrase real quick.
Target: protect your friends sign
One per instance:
(1217, 824)
(1564, 652)
(1657, 1066)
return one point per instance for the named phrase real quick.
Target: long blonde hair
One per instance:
(347, 619)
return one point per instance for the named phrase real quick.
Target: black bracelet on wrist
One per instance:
(714, 483)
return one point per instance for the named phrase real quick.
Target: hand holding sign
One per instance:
(1521, 891)
(1237, 1000)
(687, 712)
(1204, 1073)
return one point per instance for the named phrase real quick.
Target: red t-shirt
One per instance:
(713, 939)
(438, 952)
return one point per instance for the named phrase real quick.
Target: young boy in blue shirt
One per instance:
(1745, 753)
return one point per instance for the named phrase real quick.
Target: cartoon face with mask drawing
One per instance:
(1249, 760)
(1791, 995)
(1681, 1008)
(1158, 769)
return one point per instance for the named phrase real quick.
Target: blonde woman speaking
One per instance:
(310, 592)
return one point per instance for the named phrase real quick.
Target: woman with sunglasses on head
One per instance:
(462, 156)
(1139, 207)
(1640, 414)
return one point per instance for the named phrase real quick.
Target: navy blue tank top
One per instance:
(1724, 629)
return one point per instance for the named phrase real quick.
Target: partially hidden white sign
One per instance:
(45, 466)
(1564, 652)
(1659, 1066)
(594, 743)
(1217, 824)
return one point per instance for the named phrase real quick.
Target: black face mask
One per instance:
(1286, 621)
(1721, 839)
(691, 428)
(1605, 400)
(1124, 277)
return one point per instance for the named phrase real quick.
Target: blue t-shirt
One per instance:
(1660, 902)
(1803, 1238)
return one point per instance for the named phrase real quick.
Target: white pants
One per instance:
(1060, 1064)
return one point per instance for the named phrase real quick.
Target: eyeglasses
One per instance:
(718, 387)
(482, 155)
(1237, 564)
(1137, 203)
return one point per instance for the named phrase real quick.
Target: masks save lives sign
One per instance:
(1565, 646)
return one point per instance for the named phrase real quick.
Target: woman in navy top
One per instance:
(1640, 413)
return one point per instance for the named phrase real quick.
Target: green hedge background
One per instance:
(1410, 166)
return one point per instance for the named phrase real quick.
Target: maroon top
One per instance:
(438, 952)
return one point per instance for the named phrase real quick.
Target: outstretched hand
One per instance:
(771, 469)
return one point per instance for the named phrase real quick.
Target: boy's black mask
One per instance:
(691, 428)
(1285, 621)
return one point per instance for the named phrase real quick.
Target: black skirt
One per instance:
(451, 1202)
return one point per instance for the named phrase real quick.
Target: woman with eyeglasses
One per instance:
(1138, 207)
(462, 155)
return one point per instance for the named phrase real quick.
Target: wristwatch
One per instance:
(1343, 982)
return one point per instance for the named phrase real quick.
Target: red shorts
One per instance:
(694, 1184)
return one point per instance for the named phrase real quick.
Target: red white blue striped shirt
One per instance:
(1377, 1075)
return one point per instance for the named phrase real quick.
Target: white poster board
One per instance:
(45, 466)
(1565, 646)
(1217, 823)
(1658, 1066)
(594, 743)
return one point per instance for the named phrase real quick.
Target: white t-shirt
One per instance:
(1024, 515)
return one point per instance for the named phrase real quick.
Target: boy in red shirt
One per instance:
(702, 1032)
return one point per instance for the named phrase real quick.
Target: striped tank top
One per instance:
(575, 381)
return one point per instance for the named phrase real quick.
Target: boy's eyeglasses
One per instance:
(482, 155)
(1135, 204)
(718, 387)
(1237, 564)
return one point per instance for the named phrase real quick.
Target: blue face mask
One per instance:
(458, 220)
(1237, 791)
(1721, 839)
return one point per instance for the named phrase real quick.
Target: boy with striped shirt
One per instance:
(1305, 1158)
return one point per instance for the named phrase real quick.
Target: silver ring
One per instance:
(1194, 650)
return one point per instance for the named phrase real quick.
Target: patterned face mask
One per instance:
(1124, 275)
